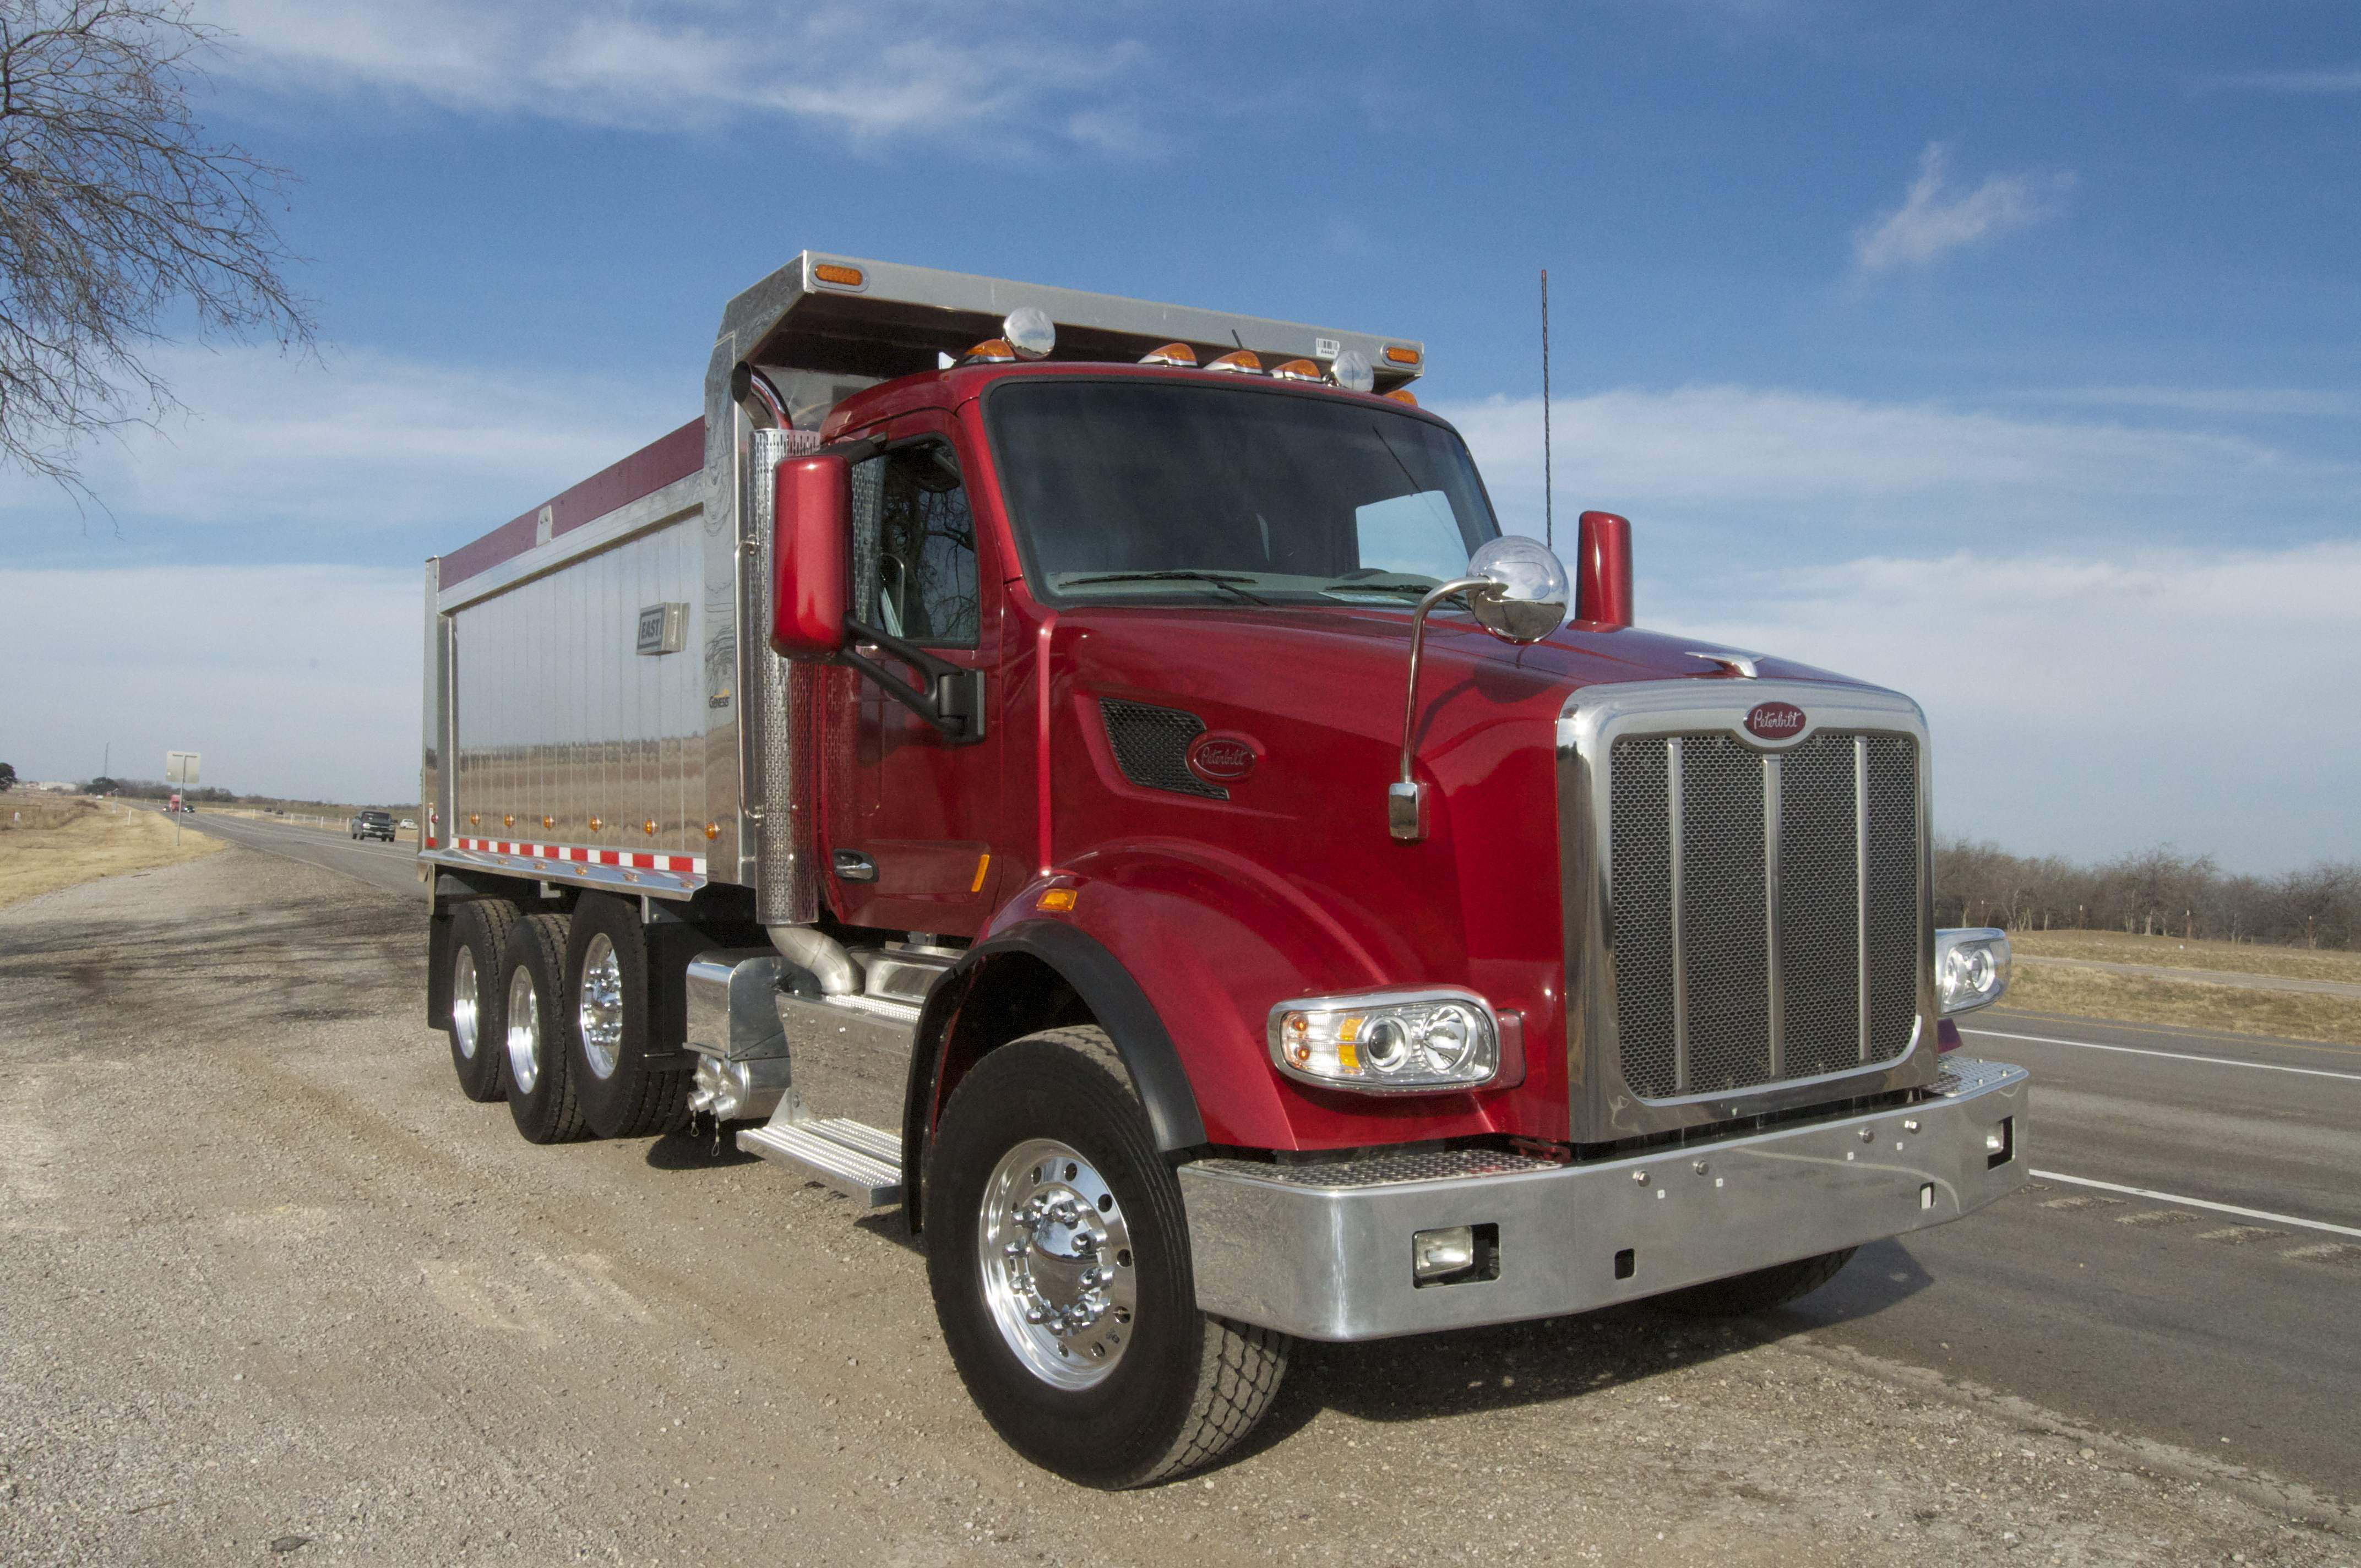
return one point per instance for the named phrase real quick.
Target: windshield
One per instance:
(1128, 489)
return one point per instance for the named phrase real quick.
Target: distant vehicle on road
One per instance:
(374, 824)
(407, 825)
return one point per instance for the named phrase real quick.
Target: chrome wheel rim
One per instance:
(1055, 1253)
(598, 1016)
(462, 1003)
(525, 1031)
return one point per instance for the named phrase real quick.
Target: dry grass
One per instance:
(2171, 953)
(2190, 1004)
(62, 841)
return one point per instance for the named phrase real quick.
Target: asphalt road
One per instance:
(2235, 1334)
(2226, 1333)
(393, 867)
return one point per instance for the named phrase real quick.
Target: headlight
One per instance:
(1387, 1042)
(1971, 967)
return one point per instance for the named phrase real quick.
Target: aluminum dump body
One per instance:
(594, 675)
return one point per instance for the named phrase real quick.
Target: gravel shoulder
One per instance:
(266, 1275)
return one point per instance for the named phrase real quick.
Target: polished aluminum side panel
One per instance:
(1605, 1109)
(555, 720)
(433, 806)
(1273, 1247)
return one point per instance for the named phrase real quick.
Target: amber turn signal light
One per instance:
(1057, 900)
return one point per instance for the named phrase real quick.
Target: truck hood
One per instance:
(1344, 670)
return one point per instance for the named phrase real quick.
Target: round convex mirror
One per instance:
(1527, 598)
(1030, 331)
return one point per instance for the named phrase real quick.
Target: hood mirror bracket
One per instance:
(1516, 589)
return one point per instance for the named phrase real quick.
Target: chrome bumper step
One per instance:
(864, 1163)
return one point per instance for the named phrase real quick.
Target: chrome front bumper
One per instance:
(1324, 1251)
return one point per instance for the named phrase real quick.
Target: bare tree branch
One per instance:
(118, 222)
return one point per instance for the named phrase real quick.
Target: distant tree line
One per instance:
(2155, 892)
(156, 789)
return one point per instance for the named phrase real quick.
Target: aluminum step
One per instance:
(863, 1162)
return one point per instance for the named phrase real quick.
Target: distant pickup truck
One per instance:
(374, 824)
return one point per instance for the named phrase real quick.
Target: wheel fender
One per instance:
(1115, 998)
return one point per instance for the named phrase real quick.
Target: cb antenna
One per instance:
(1549, 484)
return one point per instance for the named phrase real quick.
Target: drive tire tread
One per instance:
(638, 1102)
(486, 923)
(551, 1113)
(1239, 1367)
(1759, 1290)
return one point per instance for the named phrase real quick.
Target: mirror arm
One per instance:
(1406, 798)
(952, 700)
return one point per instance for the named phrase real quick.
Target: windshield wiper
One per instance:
(1225, 581)
(1355, 585)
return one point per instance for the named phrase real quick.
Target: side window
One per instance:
(914, 547)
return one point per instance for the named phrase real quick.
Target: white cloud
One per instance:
(1769, 473)
(359, 442)
(2088, 704)
(300, 680)
(1934, 219)
(861, 72)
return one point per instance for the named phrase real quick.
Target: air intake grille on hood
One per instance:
(1151, 746)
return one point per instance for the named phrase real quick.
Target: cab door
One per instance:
(908, 815)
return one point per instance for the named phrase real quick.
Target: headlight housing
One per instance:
(1971, 967)
(1388, 1042)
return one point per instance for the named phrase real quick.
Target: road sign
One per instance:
(181, 767)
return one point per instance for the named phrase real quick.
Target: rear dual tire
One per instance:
(479, 933)
(623, 1093)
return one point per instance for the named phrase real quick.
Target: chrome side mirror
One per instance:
(1528, 594)
(1516, 589)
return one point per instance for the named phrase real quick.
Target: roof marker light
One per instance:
(838, 275)
(1352, 371)
(1176, 353)
(991, 351)
(1403, 395)
(1299, 370)
(1238, 362)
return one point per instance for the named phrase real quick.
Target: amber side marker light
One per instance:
(649, 826)
(1057, 899)
(982, 864)
(548, 824)
(712, 830)
(1175, 354)
(596, 825)
(1397, 354)
(508, 821)
(841, 276)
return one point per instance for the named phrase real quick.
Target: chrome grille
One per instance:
(1764, 908)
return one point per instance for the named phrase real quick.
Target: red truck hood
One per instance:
(1344, 670)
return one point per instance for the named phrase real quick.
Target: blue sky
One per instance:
(2004, 354)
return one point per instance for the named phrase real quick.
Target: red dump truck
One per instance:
(1096, 776)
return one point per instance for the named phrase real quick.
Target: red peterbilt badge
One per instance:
(1223, 759)
(1775, 721)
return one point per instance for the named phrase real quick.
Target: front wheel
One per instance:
(1058, 1252)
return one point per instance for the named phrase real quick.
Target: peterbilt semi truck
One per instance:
(1098, 777)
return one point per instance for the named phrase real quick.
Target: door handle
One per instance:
(851, 865)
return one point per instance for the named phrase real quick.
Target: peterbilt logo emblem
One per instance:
(1775, 721)
(1223, 759)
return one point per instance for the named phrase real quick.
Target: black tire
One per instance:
(621, 1095)
(1758, 1291)
(533, 968)
(1187, 1386)
(480, 936)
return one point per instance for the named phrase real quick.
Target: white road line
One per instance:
(2199, 1203)
(2169, 1056)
